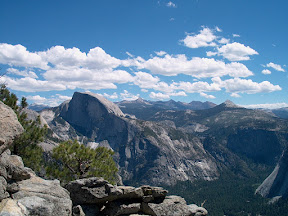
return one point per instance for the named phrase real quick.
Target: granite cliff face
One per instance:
(147, 152)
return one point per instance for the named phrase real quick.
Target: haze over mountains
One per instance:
(166, 142)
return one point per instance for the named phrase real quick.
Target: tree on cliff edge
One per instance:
(75, 161)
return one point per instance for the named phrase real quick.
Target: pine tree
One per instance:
(75, 161)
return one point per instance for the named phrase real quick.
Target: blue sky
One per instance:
(183, 50)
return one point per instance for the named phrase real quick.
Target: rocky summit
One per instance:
(23, 193)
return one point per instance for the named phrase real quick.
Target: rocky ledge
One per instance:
(95, 196)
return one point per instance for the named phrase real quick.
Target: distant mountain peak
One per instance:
(230, 104)
(110, 106)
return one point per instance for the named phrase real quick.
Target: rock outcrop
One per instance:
(21, 191)
(101, 198)
(9, 126)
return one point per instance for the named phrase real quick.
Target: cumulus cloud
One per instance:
(266, 71)
(113, 96)
(224, 41)
(197, 87)
(205, 38)
(24, 73)
(161, 53)
(195, 67)
(53, 101)
(159, 96)
(235, 35)
(28, 84)
(235, 95)
(275, 66)
(125, 95)
(145, 80)
(236, 52)
(247, 86)
(207, 96)
(17, 55)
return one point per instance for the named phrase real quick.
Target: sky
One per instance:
(185, 50)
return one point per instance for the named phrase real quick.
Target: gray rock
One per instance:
(172, 205)
(13, 188)
(14, 166)
(10, 207)
(88, 191)
(9, 126)
(197, 211)
(158, 193)
(78, 211)
(43, 197)
(3, 186)
(118, 208)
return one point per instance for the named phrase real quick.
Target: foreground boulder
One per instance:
(10, 127)
(95, 196)
(21, 191)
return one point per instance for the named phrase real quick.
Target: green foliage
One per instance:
(26, 145)
(74, 161)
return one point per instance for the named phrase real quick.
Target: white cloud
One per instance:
(37, 99)
(218, 29)
(266, 71)
(238, 85)
(159, 96)
(224, 41)
(196, 67)
(205, 38)
(24, 73)
(17, 55)
(145, 80)
(207, 96)
(125, 95)
(130, 55)
(113, 96)
(235, 35)
(275, 66)
(161, 53)
(197, 87)
(266, 106)
(235, 95)
(96, 58)
(28, 84)
(171, 4)
(236, 52)
(52, 101)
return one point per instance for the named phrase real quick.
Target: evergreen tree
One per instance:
(75, 161)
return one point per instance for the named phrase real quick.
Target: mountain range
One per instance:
(164, 144)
